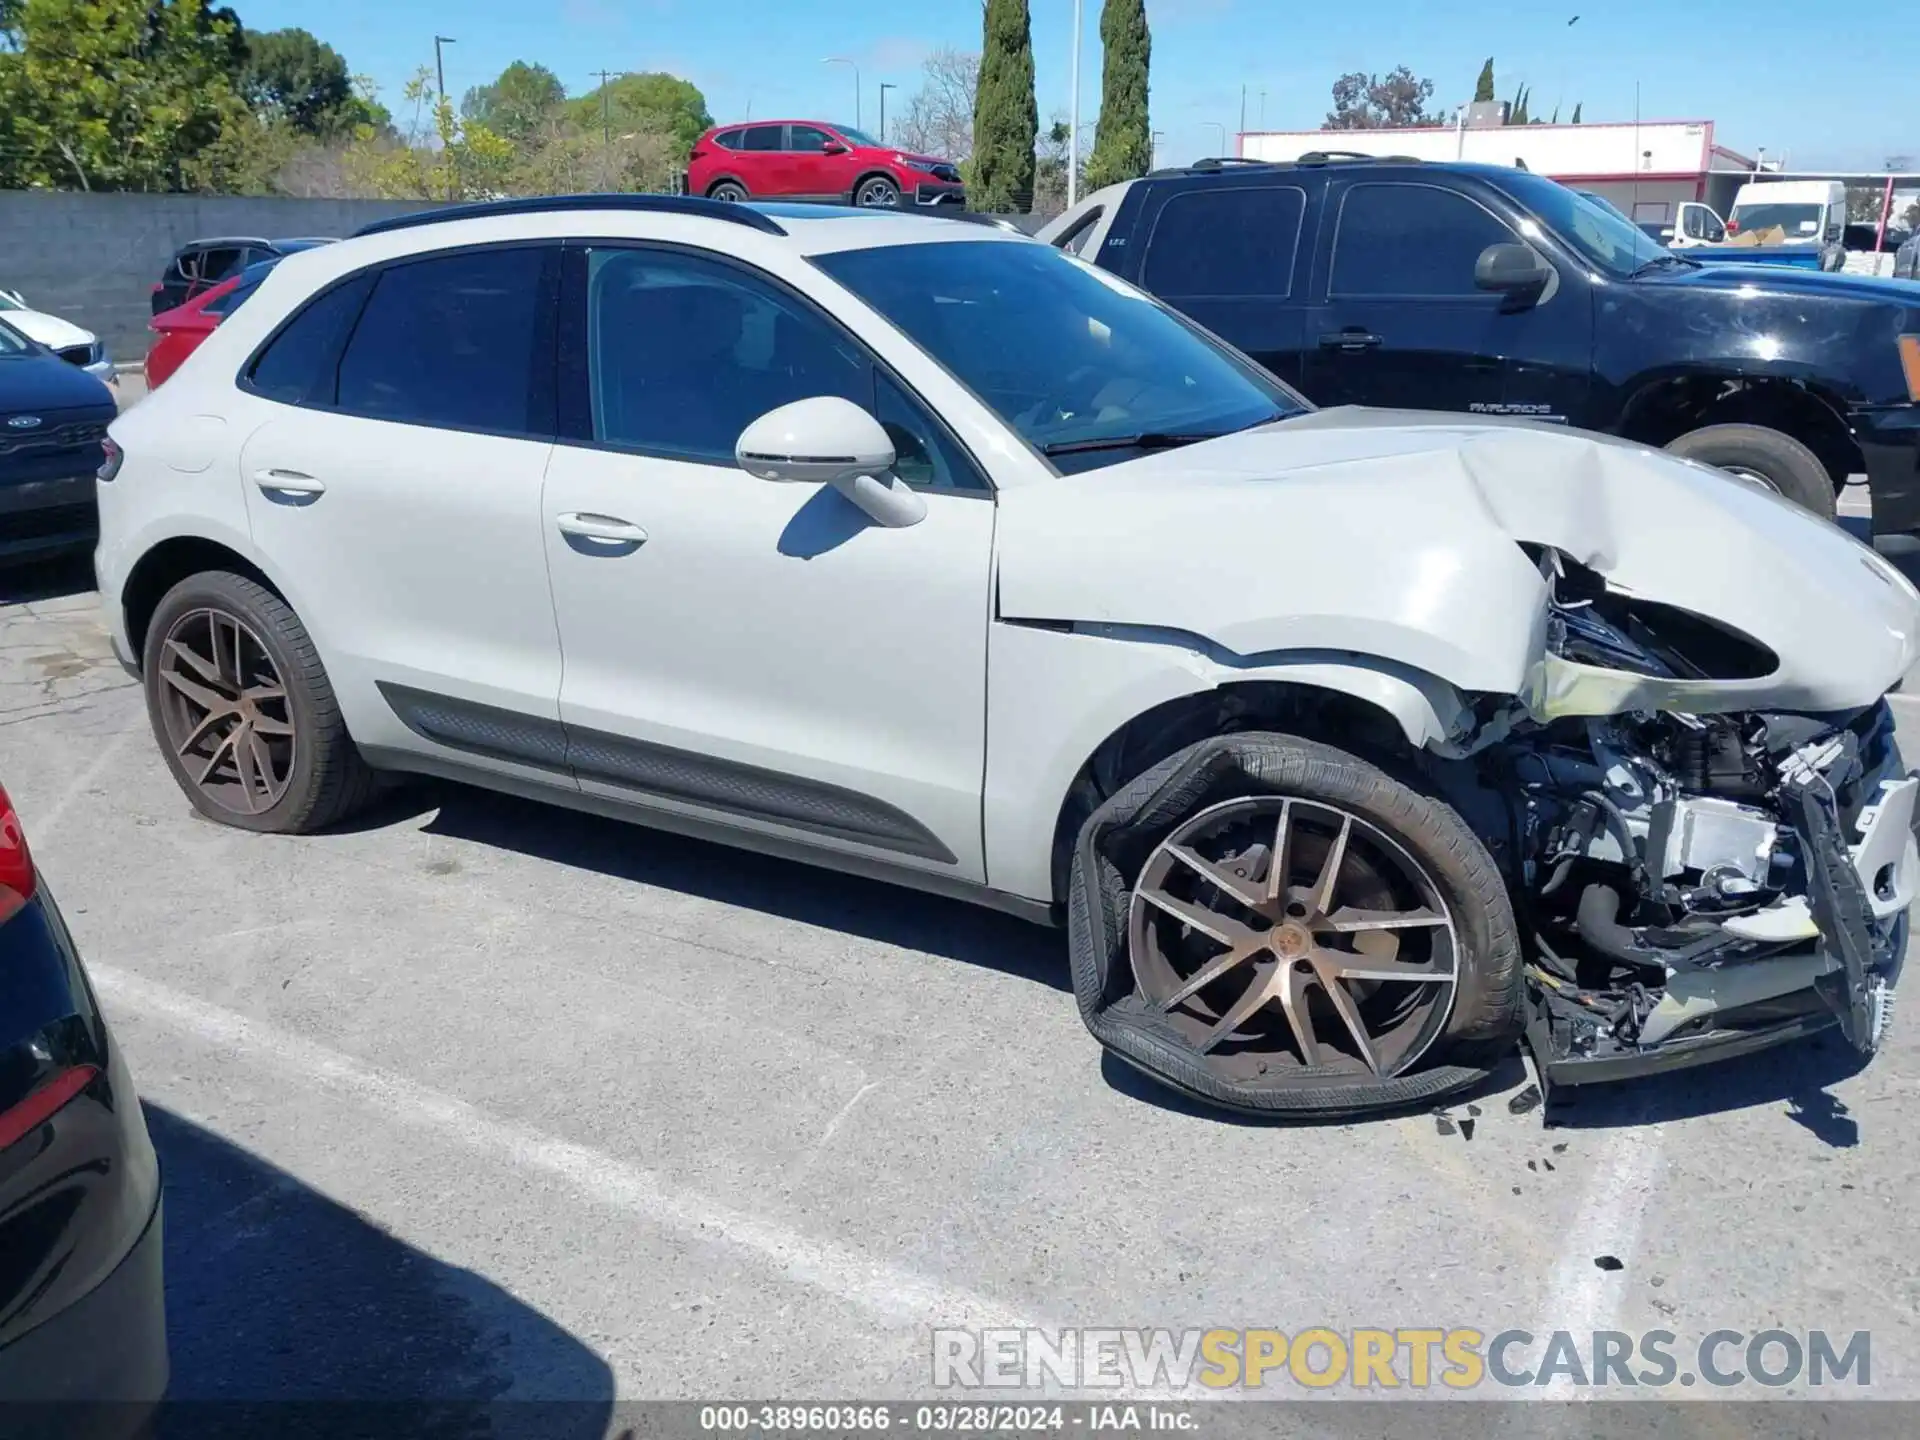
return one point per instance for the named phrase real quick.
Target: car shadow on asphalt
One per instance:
(813, 895)
(290, 1315)
(1799, 1075)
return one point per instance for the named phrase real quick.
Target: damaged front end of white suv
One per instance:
(1654, 693)
(1697, 882)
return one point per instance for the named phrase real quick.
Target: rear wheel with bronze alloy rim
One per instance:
(243, 711)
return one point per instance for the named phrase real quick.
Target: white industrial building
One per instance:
(1645, 168)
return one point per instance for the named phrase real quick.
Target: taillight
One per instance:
(42, 1104)
(111, 457)
(16, 865)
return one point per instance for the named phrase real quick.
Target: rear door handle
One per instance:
(608, 529)
(1350, 340)
(289, 482)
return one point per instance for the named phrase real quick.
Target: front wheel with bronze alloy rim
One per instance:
(243, 711)
(1282, 928)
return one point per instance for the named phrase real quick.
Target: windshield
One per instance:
(1066, 354)
(1797, 220)
(1601, 234)
(858, 137)
(10, 341)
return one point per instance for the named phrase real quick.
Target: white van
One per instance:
(1811, 213)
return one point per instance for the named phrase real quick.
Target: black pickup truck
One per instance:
(1364, 281)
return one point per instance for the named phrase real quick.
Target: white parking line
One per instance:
(893, 1294)
(1582, 1297)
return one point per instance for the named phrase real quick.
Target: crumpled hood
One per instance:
(1396, 535)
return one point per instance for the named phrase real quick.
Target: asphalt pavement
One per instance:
(477, 1099)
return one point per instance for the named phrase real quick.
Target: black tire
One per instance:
(1114, 846)
(877, 192)
(729, 190)
(1780, 460)
(327, 780)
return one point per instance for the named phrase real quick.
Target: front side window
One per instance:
(1085, 368)
(683, 353)
(1413, 241)
(806, 138)
(450, 341)
(1226, 243)
(761, 137)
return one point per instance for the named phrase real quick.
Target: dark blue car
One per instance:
(53, 426)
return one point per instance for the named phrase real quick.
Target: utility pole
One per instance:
(606, 130)
(439, 99)
(1073, 118)
(884, 87)
(1243, 113)
(1263, 107)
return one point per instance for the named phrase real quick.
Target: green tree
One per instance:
(1484, 89)
(1576, 114)
(518, 104)
(1379, 102)
(292, 77)
(650, 103)
(1517, 112)
(1123, 136)
(113, 94)
(1006, 117)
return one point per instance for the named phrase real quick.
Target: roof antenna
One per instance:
(1520, 164)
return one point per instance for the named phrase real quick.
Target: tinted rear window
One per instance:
(1221, 242)
(297, 367)
(449, 342)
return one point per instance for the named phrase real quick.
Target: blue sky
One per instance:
(1770, 72)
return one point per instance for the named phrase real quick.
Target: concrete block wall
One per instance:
(93, 259)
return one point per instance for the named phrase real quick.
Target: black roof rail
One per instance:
(1332, 157)
(542, 204)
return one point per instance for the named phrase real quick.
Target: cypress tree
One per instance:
(1576, 116)
(1006, 117)
(1484, 90)
(1123, 138)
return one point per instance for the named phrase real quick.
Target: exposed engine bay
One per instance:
(1695, 885)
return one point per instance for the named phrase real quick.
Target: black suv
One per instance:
(201, 264)
(1477, 288)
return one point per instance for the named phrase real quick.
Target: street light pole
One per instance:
(1073, 117)
(439, 98)
(606, 129)
(884, 87)
(1223, 133)
(843, 60)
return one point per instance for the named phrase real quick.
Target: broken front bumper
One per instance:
(1843, 945)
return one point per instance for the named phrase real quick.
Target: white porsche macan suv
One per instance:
(1348, 744)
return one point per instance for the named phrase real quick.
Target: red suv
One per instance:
(806, 159)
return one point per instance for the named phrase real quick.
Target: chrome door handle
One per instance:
(609, 529)
(289, 482)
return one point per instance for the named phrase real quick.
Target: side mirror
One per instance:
(827, 440)
(832, 147)
(1515, 271)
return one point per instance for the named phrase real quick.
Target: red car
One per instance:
(182, 328)
(811, 160)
